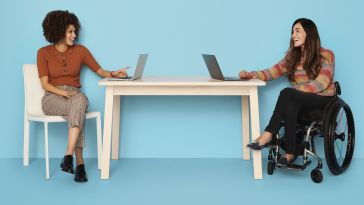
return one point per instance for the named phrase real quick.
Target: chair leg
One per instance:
(26, 143)
(46, 148)
(99, 141)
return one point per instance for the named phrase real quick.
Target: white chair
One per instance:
(33, 112)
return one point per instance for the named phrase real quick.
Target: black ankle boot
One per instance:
(67, 164)
(80, 175)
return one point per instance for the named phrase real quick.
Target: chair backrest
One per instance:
(33, 90)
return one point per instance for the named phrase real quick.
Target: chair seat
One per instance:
(56, 118)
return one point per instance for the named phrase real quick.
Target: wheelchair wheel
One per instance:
(316, 176)
(339, 136)
(271, 167)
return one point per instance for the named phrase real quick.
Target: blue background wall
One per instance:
(243, 34)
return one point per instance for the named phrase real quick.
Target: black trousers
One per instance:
(290, 103)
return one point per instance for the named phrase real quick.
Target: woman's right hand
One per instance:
(120, 73)
(245, 75)
(69, 94)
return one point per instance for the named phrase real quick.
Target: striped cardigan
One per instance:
(323, 84)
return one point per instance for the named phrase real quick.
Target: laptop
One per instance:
(142, 60)
(215, 71)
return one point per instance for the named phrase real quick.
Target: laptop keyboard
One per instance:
(233, 79)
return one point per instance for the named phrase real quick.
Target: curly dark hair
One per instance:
(55, 25)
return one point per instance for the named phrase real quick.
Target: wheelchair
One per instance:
(335, 123)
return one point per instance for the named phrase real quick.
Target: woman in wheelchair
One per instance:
(310, 70)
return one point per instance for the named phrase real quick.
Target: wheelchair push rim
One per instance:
(340, 137)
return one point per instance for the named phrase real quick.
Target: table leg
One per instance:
(115, 128)
(107, 132)
(254, 116)
(245, 126)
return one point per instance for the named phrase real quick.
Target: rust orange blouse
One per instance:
(63, 68)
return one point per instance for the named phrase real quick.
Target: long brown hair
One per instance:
(311, 51)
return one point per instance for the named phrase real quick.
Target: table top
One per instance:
(180, 81)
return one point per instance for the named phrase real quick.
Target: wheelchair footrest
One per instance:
(295, 167)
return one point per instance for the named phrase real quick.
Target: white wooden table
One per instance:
(248, 90)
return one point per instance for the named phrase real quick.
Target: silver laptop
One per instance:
(214, 69)
(142, 60)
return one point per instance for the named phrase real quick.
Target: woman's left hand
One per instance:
(245, 75)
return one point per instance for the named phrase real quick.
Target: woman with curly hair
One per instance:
(310, 69)
(59, 66)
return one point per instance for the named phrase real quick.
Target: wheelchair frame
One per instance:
(323, 128)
